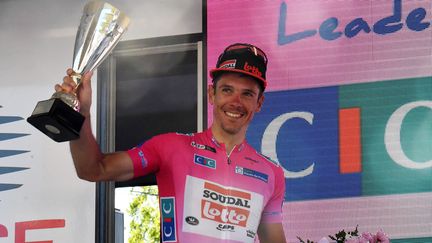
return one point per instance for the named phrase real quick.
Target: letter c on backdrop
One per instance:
(392, 136)
(268, 142)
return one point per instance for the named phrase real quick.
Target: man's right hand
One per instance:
(90, 163)
(83, 91)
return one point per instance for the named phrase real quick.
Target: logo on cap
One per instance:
(252, 69)
(228, 64)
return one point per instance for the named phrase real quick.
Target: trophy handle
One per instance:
(70, 99)
(76, 77)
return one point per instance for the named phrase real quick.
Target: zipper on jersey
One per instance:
(229, 154)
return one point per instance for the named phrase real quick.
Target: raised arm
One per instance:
(90, 163)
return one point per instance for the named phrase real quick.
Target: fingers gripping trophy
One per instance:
(99, 31)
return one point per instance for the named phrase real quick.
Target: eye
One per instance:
(226, 89)
(249, 94)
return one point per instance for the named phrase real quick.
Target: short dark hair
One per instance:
(218, 76)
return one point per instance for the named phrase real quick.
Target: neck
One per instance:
(230, 140)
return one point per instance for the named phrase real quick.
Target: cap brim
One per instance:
(214, 71)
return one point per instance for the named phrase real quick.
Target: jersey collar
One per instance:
(209, 135)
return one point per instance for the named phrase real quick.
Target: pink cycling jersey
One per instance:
(208, 194)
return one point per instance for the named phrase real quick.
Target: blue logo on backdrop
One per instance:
(8, 152)
(299, 129)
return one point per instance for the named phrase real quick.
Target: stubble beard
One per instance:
(229, 130)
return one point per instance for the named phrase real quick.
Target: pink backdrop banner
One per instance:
(398, 46)
(315, 43)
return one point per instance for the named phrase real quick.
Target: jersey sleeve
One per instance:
(272, 212)
(146, 157)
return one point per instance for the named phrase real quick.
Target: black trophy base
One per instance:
(57, 120)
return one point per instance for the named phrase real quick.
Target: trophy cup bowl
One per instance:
(99, 31)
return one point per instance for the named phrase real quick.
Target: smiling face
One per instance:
(235, 100)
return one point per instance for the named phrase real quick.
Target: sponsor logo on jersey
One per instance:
(228, 64)
(204, 161)
(225, 227)
(250, 234)
(251, 173)
(224, 212)
(203, 147)
(192, 220)
(143, 159)
(226, 206)
(168, 219)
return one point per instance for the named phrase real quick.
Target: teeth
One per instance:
(234, 115)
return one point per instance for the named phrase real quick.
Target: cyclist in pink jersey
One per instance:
(213, 186)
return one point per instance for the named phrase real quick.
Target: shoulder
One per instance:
(268, 159)
(253, 154)
(175, 140)
(173, 137)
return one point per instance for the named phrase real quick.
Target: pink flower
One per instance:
(369, 237)
(382, 237)
(353, 237)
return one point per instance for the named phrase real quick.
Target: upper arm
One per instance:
(140, 160)
(271, 233)
(117, 166)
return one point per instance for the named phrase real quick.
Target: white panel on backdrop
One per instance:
(36, 46)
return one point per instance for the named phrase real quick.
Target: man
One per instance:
(213, 186)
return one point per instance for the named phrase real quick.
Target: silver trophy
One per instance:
(99, 31)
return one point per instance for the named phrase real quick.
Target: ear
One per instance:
(260, 103)
(210, 93)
